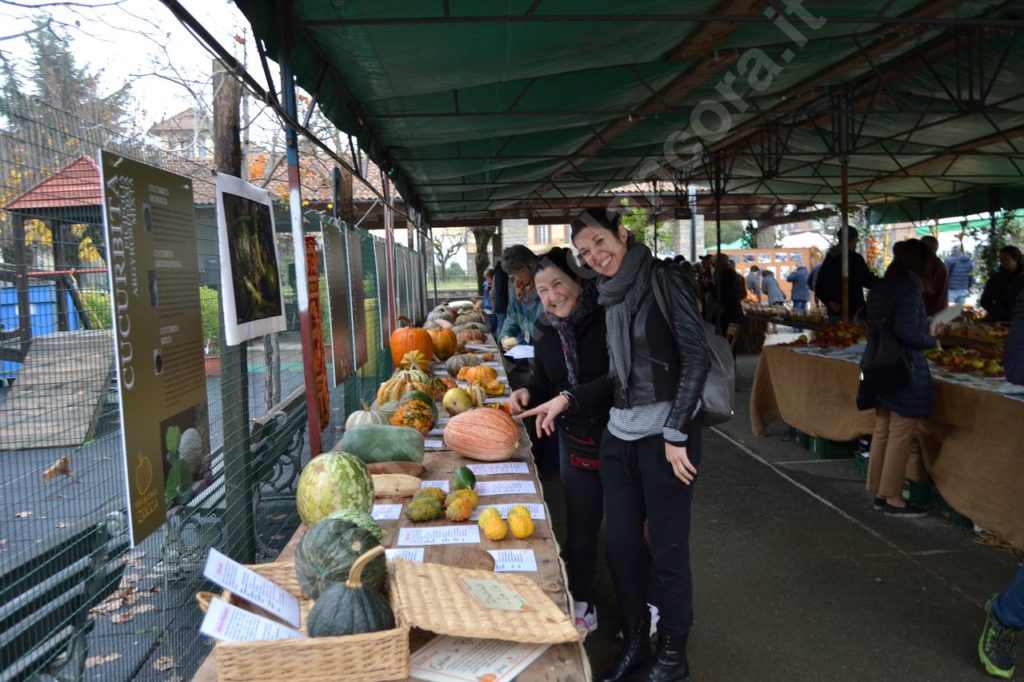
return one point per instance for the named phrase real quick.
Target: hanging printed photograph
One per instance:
(250, 269)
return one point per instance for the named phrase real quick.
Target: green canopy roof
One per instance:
(491, 109)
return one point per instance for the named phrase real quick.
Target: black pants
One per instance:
(639, 484)
(584, 507)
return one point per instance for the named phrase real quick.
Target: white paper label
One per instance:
(407, 553)
(386, 512)
(231, 624)
(486, 488)
(536, 510)
(443, 485)
(492, 363)
(439, 535)
(252, 587)
(496, 400)
(514, 560)
(433, 444)
(462, 659)
(499, 468)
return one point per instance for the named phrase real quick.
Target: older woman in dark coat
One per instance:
(897, 304)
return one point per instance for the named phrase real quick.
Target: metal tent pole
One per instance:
(299, 246)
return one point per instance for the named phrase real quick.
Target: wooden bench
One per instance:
(45, 601)
(276, 441)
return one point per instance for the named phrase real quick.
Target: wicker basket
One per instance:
(370, 657)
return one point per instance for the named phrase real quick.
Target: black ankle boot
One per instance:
(636, 650)
(669, 664)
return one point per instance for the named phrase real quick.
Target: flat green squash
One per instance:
(327, 551)
(349, 607)
(374, 443)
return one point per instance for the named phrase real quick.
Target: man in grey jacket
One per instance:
(754, 282)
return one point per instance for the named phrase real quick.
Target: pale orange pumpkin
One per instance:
(470, 336)
(481, 373)
(482, 434)
(405, 339)
(445, 343)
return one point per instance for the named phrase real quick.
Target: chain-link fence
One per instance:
(72, 595)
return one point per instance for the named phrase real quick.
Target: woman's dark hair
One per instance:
(911, 255)
(516, 258)
(593, 219)
(561, 258)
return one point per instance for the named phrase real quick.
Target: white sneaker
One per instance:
(654, 619)
(586, 617)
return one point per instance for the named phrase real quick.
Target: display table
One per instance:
(971, 443)
(560, 661)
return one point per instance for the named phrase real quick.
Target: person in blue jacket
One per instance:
(800, 293)
(998, 646)
(961, 275)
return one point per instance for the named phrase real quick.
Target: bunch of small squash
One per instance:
(519, 522)
(431, 503)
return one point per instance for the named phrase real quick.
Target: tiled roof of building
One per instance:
(182, 121)
(75, 185)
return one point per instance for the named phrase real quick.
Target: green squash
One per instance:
(427, 400)
(383, 443)
(463, 477)
(326, 553)
(361, 519)
(457, 362)
(349, 608)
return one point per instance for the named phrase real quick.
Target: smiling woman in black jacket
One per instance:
(569, 350)
(651, 449)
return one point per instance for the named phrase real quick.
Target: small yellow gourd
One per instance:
(520, 522)
(492, 524)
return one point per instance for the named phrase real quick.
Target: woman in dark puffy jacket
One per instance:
(896, 304)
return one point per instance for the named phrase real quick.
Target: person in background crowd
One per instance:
(706, 286)
(936, 284)
(754, 282)
(812, 279)
(997, 297)
(960, 273)
(500, 293)
(998, 646)
(828, 285)
(897, 302)
(569, 351)
(523, 304)
(488, 299)
(800, 292)
(650, 452)
(729, 294)
(772, 289)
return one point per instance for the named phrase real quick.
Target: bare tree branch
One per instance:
(41, 5)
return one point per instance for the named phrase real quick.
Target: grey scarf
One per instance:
(620, 296)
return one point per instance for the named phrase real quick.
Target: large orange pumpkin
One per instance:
(445, 343)
(405, 339)
(481, 373)
(482, 434)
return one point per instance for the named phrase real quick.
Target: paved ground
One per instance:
(797, 578)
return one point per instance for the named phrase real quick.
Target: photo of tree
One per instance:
(254, 268)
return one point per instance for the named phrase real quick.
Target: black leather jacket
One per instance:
(670, 358)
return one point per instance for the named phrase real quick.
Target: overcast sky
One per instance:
(128, 39)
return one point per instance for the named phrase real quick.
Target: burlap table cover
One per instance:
(972, 444)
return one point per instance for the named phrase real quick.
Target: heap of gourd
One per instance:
(340, 561)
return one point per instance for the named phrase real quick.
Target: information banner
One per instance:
(336, 265)
(250, 270)
(355, 271)
(150, 228)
